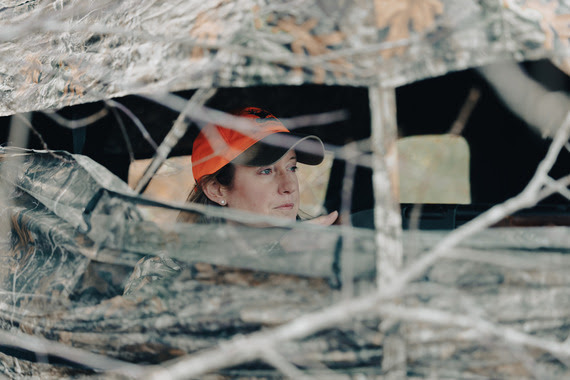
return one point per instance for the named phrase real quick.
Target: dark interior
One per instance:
(504, 150)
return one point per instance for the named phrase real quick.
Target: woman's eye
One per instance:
(265, 171)
(293, 169)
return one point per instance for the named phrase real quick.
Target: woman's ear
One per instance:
(215, 192)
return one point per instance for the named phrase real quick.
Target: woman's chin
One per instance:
(285, 213)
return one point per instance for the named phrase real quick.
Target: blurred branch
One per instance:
(315, 119)
(135, 120)
(44, 347)
(176, 133)
(479, 328)
(347, 251)
(387, 217)
(77, 123)
(18, 137)
(540, 108)
(247, 348)
(123, 129)
(205, 115)
(560, 186)
(465, 111)
(278, 361)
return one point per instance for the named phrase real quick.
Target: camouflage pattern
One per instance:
(81, 266)
(63, 276)
(143, 293)
(61, 53)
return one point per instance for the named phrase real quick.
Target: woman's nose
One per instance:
(287, 183)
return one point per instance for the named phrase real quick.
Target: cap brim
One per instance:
(309, 149)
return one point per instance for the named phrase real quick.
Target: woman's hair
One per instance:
(225, 177)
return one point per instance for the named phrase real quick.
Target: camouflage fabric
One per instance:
(118, 285)
(67, 273)
(56, 54)
(81, 266)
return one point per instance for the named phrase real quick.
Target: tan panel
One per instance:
(434, 169)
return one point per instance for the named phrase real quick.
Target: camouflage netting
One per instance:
(70, 270)
(59, 53)
(81, 267)
(77, 277)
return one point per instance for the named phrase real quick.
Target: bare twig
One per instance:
(315, 119)
(278, 361)
(203, 115)
(26, 120)
(477, 326)
(77, 123)
(44, 347)
(135, 120)
(247, 348)
(347, 258)
(176, 133)
(541, 109)
(125, 134)
(468, 106)
(18, 137)
(387, 217)
(560, 186)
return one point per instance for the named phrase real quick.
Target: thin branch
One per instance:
(480, 326)
(125, 134)
(18, 137)
(347, 253)
(279, 362)
(204, 115)
(560, 186)
(26, 120)
(466, 110)
(77, 123)
(44, 347)
(542, 109)
(247, 348)
(176, 133)
(322, 118)
(556, 262)
(135, 120)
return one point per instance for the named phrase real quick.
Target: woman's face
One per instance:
(269, 190)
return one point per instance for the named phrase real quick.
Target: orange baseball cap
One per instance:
(263, 144)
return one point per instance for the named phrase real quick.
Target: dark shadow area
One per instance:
(504, 150)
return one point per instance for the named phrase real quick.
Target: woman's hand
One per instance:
(325, 220)
(298, 240)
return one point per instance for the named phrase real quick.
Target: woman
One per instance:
(252, 170)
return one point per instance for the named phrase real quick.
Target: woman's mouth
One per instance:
(286, 206)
